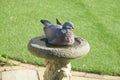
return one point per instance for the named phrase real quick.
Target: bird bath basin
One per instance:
(57, 58)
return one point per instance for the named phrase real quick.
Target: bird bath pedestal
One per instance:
(58, 58)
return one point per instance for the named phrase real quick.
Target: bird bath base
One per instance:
(58, 58)
(57, 70)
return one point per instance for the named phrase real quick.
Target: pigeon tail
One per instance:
(45, 22)
(58, 22)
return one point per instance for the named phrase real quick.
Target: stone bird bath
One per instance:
(58, 58)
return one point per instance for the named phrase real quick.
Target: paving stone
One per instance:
(111, 77)
(14, 62)
(30, 66)
(82, 78)
(41, 72)
(89, 75)
(17, 67)
(36, 70)
(0, 75)
(5, 68)
(20, 75)
(79, 74)
(9, 68)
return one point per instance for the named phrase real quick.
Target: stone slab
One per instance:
(90, 75)
(0, 75)
(82, 78)
(78, 74)
(106, 77)
(26, 74)
(41, 73)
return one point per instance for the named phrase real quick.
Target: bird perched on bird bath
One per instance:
(58, 66)
(59, 34)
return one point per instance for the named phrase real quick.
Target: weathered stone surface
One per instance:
(94, 76)
(78, 74)
(0, 75)
(58, 65)
(57, 70)
(83, 78)
(75, 75)
(41, 72)
(39, 47)
(20, 75)
(111, 77)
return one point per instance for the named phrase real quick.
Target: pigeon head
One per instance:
(68, 25)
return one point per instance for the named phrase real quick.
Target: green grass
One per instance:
(98, 21)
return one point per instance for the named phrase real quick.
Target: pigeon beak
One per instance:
(73, 27)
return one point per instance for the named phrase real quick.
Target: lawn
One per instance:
(98, 21)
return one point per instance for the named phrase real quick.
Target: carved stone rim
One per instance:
(38, 47)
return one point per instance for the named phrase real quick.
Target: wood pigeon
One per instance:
(58, 34)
